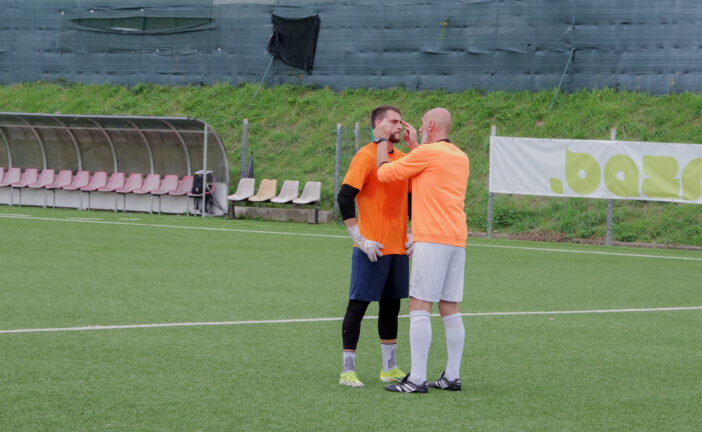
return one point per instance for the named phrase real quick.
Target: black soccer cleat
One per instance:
(407, 386)
(444, 384)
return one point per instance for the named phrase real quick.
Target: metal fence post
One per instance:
(356, 133)
(243, 148)
(610, 202)
(204, 174)
(337, 168)
(491, 198)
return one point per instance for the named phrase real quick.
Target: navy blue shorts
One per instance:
(387, 278)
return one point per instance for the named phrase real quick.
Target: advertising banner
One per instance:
(596, 169)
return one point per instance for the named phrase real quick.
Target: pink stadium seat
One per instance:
(151, 183)
(63, 178)
(82, 178)
(134, 182)
(169, 184)
(45, 178)
(2, 173)
(11, 176)
(28, 177)
(99, 180)
(115, 182)
(184, 187)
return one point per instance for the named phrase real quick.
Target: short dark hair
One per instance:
(379, 113)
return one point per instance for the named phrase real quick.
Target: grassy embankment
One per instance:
(292, 132)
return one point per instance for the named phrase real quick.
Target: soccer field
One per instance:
(112, 322)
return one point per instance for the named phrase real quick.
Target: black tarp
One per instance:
(294, 40)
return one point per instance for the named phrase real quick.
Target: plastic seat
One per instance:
(266, 191)
(134, 182)
(244, 191)
(28, 177)
(151, 183)
(184, 188)
(82, 178)
(311, 194)
(98, 180)
(288, 192)
(46, 177)
(169, 184)
(115, 182)
(2, 173)
(11, 176)
(64, 177)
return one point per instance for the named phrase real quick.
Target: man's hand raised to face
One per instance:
(410, 136)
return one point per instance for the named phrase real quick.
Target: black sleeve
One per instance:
(345, 198)
(409, 205)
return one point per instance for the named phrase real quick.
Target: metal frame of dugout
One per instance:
(128, 144)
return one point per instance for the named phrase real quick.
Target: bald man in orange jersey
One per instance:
(439, 171)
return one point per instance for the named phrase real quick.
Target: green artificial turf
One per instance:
(630, 371)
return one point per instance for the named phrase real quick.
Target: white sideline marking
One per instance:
(17, 215)
(308, 320)
(588, 252)
(84, 219)
(7, 215)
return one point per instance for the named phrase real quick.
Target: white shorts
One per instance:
(437, 272)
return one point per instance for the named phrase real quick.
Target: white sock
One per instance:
(420, 341)
(349, 361)
(455, 338)
(389, 359)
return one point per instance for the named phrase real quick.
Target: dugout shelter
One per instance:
(163, 146)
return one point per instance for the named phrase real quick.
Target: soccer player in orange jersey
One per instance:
(439, 173)
(379, 263)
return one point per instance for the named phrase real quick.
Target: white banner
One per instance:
(596, 169)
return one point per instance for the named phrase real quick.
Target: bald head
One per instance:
(436, 125)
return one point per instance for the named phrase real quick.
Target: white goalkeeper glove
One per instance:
(369, 247)
(409, 246)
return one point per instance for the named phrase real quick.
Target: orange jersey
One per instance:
(382, 207)
(439, 173)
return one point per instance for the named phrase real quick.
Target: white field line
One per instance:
(282, 233)
(16, 215)
(311, 320)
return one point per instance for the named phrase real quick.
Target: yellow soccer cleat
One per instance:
(350, 379)
(392, 376)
